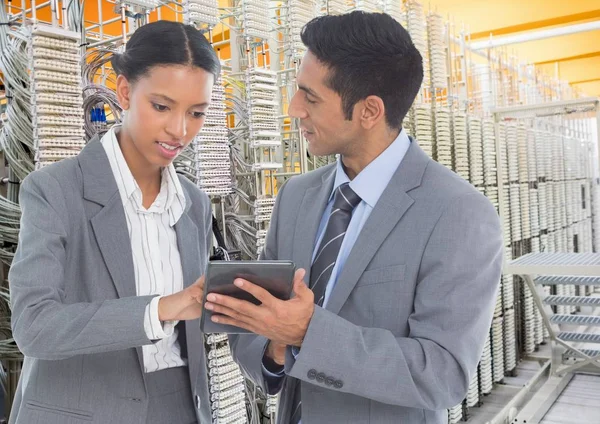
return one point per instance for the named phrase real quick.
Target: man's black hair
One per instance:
(367, 54)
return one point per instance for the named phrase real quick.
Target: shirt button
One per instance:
(197, 402)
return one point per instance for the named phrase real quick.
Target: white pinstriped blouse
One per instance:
(156, 259)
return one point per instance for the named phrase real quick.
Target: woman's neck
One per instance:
(146, 175)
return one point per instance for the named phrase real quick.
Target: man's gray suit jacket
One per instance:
(404, 328)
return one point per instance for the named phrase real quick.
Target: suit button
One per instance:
(338, 384)
(312, 374)
(197, 398)
(321, 377)
(329, 381)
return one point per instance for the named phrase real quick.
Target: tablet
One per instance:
(276, 277)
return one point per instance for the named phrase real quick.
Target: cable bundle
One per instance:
(16, 134)
(97, 98)
(8, 347)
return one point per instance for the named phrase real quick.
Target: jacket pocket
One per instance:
(382, 275)
(54, 409)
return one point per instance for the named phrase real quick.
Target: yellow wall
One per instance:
(512, 17)
(487, 15)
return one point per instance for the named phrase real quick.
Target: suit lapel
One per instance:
(189, 251)
(109, 224)
(191, 265)
(110, 229)
(386, 214)
(189, 248)
(311, 211)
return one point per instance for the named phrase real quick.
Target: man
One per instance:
(403, 256)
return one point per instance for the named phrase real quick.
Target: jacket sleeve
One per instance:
(248, 349)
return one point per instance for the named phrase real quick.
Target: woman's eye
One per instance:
(198, 114)
(160, 108)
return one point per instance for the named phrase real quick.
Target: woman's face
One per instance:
(165, 110)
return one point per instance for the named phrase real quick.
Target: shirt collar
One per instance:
(370, 183)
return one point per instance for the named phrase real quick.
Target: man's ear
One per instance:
(371, 111)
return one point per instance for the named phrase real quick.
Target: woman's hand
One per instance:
(183, 305)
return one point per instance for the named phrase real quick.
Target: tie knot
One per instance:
(345, 198)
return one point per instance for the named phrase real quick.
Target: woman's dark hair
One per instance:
(367, 54)
(165, 43)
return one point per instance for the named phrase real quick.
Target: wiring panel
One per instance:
(56, 95)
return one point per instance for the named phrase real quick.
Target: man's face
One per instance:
(319, 110)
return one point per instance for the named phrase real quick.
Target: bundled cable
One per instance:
(97, 97)
(16, 134)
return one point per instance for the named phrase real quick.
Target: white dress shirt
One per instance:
(156, 259)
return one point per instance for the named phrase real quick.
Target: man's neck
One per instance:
(369, 149)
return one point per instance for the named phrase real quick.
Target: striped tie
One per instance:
(344, 202)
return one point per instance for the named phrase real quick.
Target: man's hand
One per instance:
(183, 305)
(283, 322)
(276, 351)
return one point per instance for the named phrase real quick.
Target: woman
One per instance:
(111, 249)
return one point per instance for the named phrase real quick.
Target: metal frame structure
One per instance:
(539, 110)
(560, 267)
(530, 266)
(570, 265)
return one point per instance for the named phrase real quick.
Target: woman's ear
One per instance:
(123, 92)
